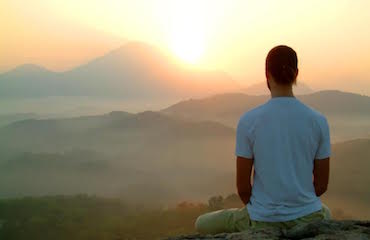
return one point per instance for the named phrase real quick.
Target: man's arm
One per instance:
(321, 175)
(243, 178)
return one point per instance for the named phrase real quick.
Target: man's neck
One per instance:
(282, 92)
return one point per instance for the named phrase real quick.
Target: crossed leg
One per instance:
(237, 219)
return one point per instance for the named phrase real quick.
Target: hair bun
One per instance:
(281, 63)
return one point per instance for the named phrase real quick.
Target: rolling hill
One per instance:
(6, 119)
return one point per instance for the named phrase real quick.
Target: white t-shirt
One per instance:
(283, 136)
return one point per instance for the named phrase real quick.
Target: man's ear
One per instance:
(295, 77)
(268, 83)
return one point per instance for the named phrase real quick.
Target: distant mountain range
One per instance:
(139, 74)
(134, 71)
(233, 105)
(348, 113)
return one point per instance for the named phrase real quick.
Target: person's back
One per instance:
(288, 146)
(283, 137)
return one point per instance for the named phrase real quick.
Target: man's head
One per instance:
(281, 67)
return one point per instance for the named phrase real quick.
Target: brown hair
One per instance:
(281, 63)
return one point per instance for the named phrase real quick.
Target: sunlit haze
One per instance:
(331, 37)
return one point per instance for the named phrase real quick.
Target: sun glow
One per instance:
(187, 33)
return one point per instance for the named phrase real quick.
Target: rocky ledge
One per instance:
(348, 229)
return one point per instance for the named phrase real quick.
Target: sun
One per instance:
(188, 45)
(187, 35)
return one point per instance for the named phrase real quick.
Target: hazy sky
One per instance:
(332, 38)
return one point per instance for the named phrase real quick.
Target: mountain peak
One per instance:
(26, 70)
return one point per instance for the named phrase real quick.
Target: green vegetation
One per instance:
(88, 217)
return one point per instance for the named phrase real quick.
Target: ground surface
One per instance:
(357, 230)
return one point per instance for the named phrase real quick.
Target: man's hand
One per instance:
(321, 175)
(243, 178)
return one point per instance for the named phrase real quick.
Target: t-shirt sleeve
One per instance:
(243, 142)
(324, 147)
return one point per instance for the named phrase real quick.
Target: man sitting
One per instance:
(287, 146)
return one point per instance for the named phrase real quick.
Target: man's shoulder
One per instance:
(253, 113)
(317, 117)
(314, 113)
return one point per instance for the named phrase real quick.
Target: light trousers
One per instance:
(237, 220)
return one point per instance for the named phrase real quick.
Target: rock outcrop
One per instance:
(326, 229)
